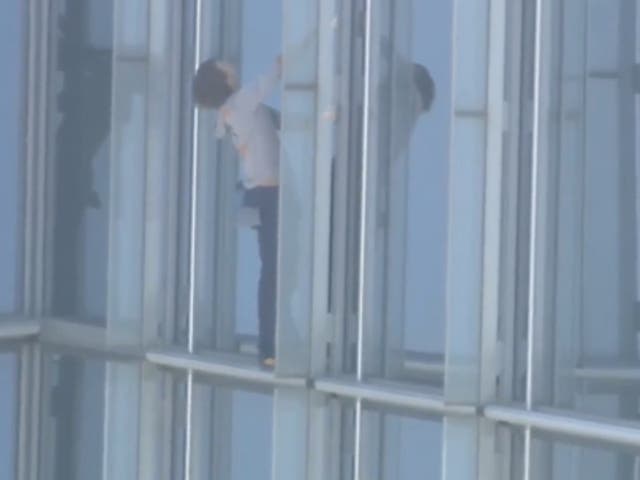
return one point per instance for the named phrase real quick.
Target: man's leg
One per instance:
(268, 244)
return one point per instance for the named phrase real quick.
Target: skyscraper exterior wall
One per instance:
(458, 240)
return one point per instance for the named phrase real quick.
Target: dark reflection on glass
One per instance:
(81, 104)
(589, 348)
(346, 181)
(12, 106)
(73, 439)
(93, 411)
(8, 414)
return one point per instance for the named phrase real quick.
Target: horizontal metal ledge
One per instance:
(19, 329)
(393, 395)
(63, 334)
(566, 423)
(612, 373)
(221, 365)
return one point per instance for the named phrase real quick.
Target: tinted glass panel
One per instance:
(401, 447)
(229, 427)
(81, 59)
(8, 415)
(409, 162)
(561, 459)
(12, 100)
(588, 346)
(77, 441)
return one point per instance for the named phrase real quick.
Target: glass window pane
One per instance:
(400, 447)
(90, 426)
(409, 169)
(12, 103)
(73, 426)
(231, 433)
(555, 459)
(8, 414)
(80, 95)
(113, 158)
(587, 345)
(93, 414)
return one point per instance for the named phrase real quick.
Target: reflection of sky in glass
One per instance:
(420, 448)
(11, 142)
(251, 436)
(427, 195)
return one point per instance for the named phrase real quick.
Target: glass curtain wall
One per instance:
(584, 342)
(12, 138)
(445, 259)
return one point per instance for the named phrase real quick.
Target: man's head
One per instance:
(425, 86)
(214, 83)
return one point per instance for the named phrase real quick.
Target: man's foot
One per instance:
(269, 363)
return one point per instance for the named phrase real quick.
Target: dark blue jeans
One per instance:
(265, 199)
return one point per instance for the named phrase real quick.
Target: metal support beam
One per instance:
(230, 366)
(19, 330)
(564, 423)
(398, 396)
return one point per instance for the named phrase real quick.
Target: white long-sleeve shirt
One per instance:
(253, 131)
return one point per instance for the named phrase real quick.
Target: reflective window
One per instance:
(407, 180)
(587, 338)
(231, 433)
(400, 447)
(73, 429)
(81, 60)
(113, 154)
(93, 413)
(8, 415)
(560, 459)
(12, 119)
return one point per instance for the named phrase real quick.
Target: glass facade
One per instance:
(319, 239)
(12, 121)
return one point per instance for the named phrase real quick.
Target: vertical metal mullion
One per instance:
(508, 313)
(35, 171)
(36, 34)
(29, 413)
(365, 222)
(533, 232)
(173, 284)
(321, 452)
(166, 20)
(494, 191)
(192, 254)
